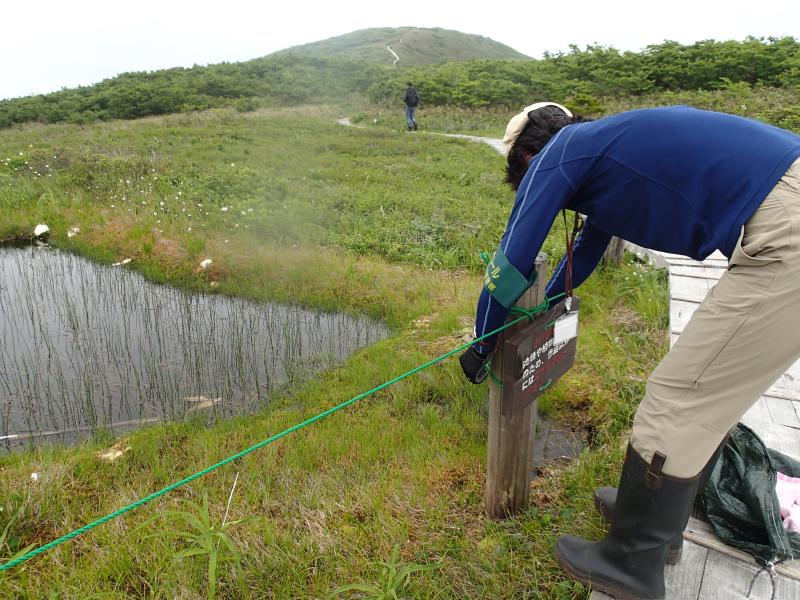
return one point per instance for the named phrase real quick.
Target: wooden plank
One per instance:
(688, 262)
(511, 433)
(715, 256)
(682, 581)
(782, 412)
(758, 411)
(788, 384)
(679, 314)
(690, 289)
(701, 533)
(727, 578)
(780, 438)
(697, 271)
(784, 393)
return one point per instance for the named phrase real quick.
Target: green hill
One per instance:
(357, 65)
(413, 46)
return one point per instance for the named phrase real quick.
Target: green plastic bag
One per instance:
(740, 500)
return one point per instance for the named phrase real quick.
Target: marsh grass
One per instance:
(87, 348)
(207, 540)
(395, 577)
(404, 467)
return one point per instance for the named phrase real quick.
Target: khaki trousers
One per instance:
(741, 339)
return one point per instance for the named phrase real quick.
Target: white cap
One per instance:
(518, 122)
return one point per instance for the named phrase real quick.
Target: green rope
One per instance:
(528, 314)
(492, 376)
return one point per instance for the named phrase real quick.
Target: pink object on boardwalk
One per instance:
(788, 491)
(792, 522)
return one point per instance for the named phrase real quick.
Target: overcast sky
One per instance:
(47, 45)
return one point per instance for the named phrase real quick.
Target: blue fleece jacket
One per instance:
(674, 179)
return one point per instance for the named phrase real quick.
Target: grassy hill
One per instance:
(414, 46)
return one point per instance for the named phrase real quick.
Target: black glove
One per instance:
(475, 364)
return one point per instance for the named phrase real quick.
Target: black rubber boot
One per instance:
(606, 497)
(651, 510)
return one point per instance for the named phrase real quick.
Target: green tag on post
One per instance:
(503, 282)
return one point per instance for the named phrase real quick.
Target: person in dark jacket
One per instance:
(679, 180)
(412, 100)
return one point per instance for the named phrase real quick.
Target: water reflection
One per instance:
(85, 347)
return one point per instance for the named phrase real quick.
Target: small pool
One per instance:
(86, 347)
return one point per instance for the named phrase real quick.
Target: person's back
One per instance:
(411, 100)
(412, 97)
(703, 172)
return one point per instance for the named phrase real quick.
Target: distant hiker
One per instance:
(678, 180)
(411, 100)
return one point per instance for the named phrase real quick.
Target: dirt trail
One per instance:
(396, 58)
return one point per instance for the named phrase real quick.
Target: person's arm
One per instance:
(540, 197)
(589, 249)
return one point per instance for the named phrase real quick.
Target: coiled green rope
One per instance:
(529, 313)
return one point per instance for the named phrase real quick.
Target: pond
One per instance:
(86, 347)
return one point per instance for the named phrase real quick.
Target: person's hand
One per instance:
(475, 364)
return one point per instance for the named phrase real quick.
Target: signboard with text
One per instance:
(533, 360)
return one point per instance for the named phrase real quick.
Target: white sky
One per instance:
(46, 45)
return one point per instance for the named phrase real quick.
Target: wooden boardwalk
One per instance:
(709, 569)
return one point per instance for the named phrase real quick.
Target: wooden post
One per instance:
(615, 252)
(511, 429)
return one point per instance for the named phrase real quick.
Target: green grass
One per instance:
(367, 221)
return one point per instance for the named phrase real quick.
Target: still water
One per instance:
(86, 347)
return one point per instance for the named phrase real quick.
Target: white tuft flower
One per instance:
(205, 264)
(40, 230)
(73, 232)
(224, 209)
(34, 476)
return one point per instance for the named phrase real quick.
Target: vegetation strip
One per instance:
(525, 314)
